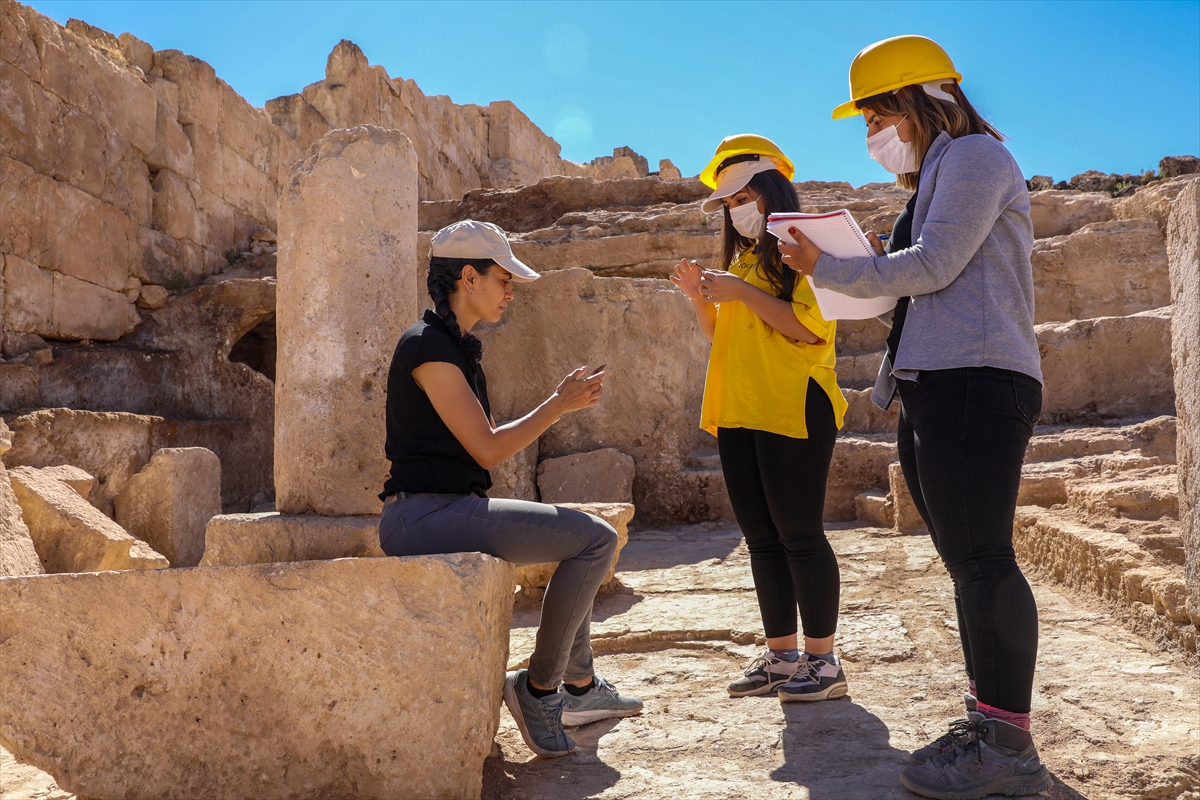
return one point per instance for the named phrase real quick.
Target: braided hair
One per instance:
(443, 275)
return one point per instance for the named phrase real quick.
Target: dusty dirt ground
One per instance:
(1114, 716)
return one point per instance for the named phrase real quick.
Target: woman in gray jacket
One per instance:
(963, 358)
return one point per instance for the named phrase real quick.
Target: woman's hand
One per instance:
(801, 256)
(687, 277)
(876, 244)
(577, 392)
(719, 286)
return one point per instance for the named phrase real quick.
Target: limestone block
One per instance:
(57, 306)
(668, 171)
(136, 52)
(16, 38)
(113, 447)
(268, 537)
(1057, 212)
(1145, 497)
(207, 152)
(618, 515)
(74, 477)
(114, 96)
(347, 273)
(1183, 247)
(265, 681)
(151, 296)
(1105, 269)
(17, 554)
(875, 508)
(70, 535)
(904, 514)
(244, 129)
(172, 148)
(1107, 367)
(863, 416)
(199, 94)
(247, 188)
(515, 478)
(55, 139)
(175, 211)
(298, 118)
(169, 503)
(598, 476)
(860, 462)
(59, 227)
(1154, 202)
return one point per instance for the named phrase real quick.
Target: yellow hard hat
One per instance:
(746, 144)
(891, 64)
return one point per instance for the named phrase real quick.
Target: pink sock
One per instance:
(1011, 717)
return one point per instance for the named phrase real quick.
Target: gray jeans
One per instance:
(522, 533)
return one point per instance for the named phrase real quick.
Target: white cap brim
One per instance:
(518, 270)
(733, 179)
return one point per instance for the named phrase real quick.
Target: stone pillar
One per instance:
(1183, 252)
(347, 272)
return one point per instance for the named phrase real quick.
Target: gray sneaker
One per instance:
(600, 702)
(764, 675)
(540, 720)
(993, 757)
(816, 679)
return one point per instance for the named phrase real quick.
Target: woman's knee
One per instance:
(604, 537)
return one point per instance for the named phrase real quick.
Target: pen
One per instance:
(883, 237)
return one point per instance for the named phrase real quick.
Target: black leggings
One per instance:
(776, 486)
(962, 439)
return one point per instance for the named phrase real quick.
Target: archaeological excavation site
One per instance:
(200, 303)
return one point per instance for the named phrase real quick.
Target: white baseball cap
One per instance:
(483, 240)
(733, 179)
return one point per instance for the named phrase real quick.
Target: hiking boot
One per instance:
(957, 732)
(816, 679)
(600, 702)
(764, 675)
(540, 719)
(955, 736)
(994, 757)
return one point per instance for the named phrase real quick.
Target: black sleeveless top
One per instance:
(425, 455)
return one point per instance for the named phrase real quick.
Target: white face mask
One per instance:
(748, 220)
(895, 156)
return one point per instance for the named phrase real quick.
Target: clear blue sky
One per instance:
(1112, 86)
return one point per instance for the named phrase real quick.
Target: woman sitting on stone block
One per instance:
(772, 400)
(441, 440)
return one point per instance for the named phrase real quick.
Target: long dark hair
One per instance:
(779, 196)
(441, 283)
(930, 116)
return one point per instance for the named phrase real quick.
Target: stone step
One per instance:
(1108, 564)
(1142, 496)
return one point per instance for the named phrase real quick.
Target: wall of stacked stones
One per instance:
(127, 173)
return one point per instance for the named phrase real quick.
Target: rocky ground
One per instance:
(1115, 716)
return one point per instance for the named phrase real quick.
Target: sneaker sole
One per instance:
(1009, 787)
(766, 688)
(835, 691)
(573, 719)
(514, 708)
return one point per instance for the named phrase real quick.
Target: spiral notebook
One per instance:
(838, 235)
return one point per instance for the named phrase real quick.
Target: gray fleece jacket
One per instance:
(968, 271)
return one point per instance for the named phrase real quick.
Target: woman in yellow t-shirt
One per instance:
(772, 400)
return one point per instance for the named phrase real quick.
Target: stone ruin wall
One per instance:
(128, 173)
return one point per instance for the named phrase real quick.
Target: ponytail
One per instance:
(441, 283)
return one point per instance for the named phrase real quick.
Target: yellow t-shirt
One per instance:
(757, 377)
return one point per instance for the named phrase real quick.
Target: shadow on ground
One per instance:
(574, 777)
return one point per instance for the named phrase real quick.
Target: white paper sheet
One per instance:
(838, 235)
